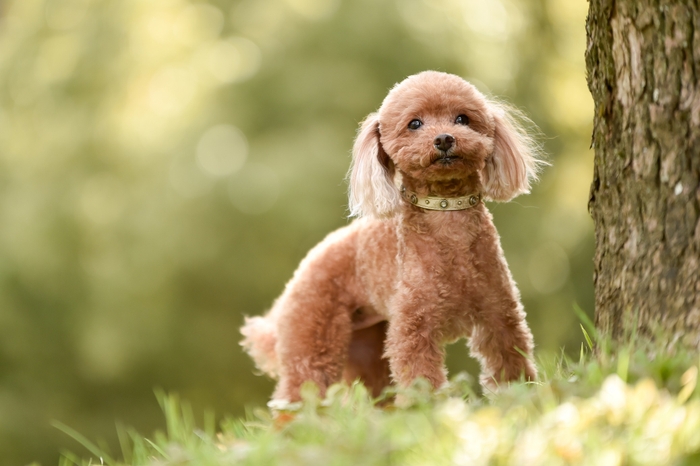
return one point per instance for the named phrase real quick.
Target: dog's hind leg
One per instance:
(366, 358)
(312, 346)
(312, 318)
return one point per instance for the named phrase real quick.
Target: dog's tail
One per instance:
(260, 338)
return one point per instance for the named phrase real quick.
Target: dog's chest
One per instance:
(440, 248)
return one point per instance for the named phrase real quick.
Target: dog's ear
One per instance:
(514, 163)
(372, 190)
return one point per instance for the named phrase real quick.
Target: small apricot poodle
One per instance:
(422, 265)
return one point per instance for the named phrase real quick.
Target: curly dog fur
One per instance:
(379, 298)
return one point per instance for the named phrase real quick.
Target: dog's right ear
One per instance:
(372, 190)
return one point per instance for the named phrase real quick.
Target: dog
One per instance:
(422, 265)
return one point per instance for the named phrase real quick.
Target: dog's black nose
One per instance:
(444, 142)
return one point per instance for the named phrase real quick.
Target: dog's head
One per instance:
(436, 128)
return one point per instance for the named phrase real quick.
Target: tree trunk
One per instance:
(643, 61)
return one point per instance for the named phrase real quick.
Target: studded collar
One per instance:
(441, 203)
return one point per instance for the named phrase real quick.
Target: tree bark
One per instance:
(643, 62)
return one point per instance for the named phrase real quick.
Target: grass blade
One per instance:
(78, 437)
(158, 449)
(589, 342)
(586, 322)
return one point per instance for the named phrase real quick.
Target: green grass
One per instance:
(615, 405)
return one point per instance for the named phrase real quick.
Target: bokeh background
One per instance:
(165, 165)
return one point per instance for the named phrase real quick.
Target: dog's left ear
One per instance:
(372, 190)
(514, 163)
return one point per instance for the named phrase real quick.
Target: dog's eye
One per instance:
(415, 124)
(462, 119)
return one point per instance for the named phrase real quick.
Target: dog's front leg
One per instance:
(413, 347)
(504, 350)
(502, 341)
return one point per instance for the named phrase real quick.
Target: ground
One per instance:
(611, 405)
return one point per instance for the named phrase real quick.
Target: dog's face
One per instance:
(436, 127)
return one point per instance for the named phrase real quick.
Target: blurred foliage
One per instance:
(165, 165)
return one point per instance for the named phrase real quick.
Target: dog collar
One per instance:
(441, 203)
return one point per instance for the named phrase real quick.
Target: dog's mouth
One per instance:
(446, 159)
